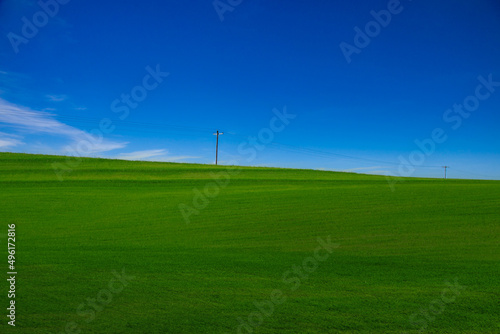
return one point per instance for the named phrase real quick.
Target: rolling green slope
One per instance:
(139, 247)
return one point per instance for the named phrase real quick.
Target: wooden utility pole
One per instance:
(445, 167)
(217, 145)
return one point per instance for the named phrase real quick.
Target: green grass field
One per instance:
(422, 258)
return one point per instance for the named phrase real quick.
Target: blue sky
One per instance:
(321, 85)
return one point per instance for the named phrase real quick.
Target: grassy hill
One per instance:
(146, 247)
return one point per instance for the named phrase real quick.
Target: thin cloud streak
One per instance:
(28, 121)
(56, 98)
(9, 142)
(138, 155)
(154, 155)
(181, 157)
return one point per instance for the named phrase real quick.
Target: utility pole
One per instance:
(217, 145)
(445, 167)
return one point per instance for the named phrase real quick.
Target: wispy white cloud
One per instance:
(154, 155)
(56, 98)
(4, 134)
(9, 77)
(9, 140)
(182, 157)
(27, 121)
(139, 155)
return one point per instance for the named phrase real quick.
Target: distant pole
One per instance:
(217, 145)
(445, 167)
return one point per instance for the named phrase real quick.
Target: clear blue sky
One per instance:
(364, 82)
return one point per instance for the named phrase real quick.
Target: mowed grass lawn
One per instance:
(107, 250)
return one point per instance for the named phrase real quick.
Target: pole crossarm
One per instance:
(445, 168)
